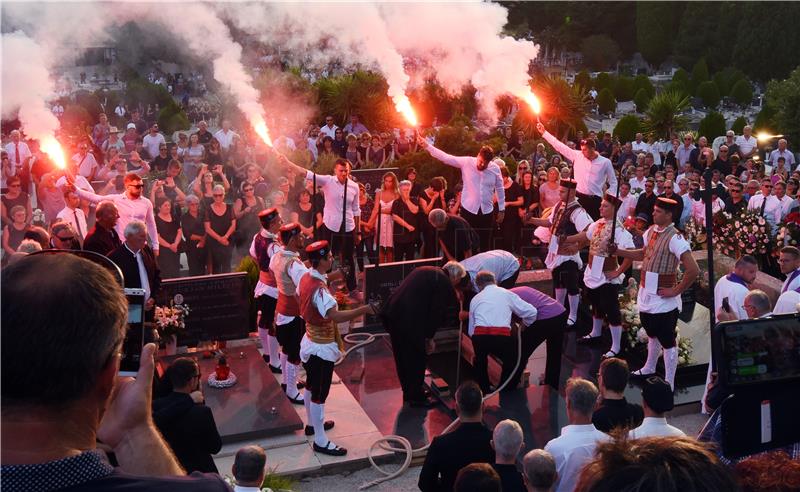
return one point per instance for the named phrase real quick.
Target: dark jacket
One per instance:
(101, 240)
(469, 443)
(510, 477)
(126, 262)
(190, 430)
(615, 413)
(422, 303)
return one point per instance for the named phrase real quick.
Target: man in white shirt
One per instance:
(19, 156)
(152, 141)
(638, 181)
(782, 151)
(659, 296)
(657, 399)
(592, 171)
(73, 215)
(501, 263)
(225, 136)
(779, 188)
(684, 152)
(766, 205)
(482, 182)
(748, 144)
(628, 206)
(85, 162)
(576, 444)
(132, 205)
(490, 313)
(329, 129)
(120, 112)
(789, 263)
(342, 212)
(248, 469)
(640, 146)
(355, 126)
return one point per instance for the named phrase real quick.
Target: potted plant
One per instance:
(170, 321)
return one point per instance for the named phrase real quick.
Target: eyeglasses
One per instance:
(137, 186)
(248, 189)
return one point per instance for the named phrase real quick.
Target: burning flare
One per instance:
(261, 129)
(533, 102)
(51, 147)
(764, 137)
(404, 108)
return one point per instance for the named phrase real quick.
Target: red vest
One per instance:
(261, 246)
(308, 288)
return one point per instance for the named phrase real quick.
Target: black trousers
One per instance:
(289, 336)
(430, 242)
(661, 326)
(366, 248)
(483, 225)
(504, 347)
(591, 204)
(319, 373)
(404, 251)
(342, 246)
(409, 359)
(605, 303)
(266, 304)
(565, 276)
(197, 259)
(551, 331)
(510, 281)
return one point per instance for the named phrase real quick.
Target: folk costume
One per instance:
(264, 246)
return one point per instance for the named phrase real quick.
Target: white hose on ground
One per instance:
(361, 339)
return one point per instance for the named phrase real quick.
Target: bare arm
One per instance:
(402, 222)
(632, 254)
(557, 144)
(342, 316)
(690, 273)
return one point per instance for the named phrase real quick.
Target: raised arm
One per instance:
(557, 144)
(441, 155)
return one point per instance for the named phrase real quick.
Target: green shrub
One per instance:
(172, 118)
(627, 128)
(643, 82)
(584, 80)
(712, 126)
(606, 102)
(738, 125)
(699, 74)
(623, 89)
(641, 99)
(604, 80)
(708, 92)
(742, 92)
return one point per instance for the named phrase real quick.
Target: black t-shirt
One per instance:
(530, 196)
(160, 163)
(219, 223)
(513, 192)
(459, 237)
(724, 167)
(204, 138)
(645, 205)
(401, 234)
(510, 478)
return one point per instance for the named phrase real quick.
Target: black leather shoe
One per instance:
(300, 386)
(298, 400)
(274, 370)
(328, 425)
(335, 451)
(265, 357)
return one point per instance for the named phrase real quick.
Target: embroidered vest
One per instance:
(658, 258)
(287, 296)
(262, 245)
(598, 246)
(562, 222)
(318, 328)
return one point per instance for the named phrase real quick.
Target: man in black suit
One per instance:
(103, 238)
(128, 257)
(186, 423)
(469, 443)
(614, 410)
(423, 302)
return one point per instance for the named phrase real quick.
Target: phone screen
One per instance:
(134, 335)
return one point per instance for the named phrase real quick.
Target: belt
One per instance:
(503, 331)
(665, 280)
(609, 264)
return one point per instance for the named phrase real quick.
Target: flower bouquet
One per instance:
(788, 232)
(170, 321)
(343, 303)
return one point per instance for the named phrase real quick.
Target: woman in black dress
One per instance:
(194, 232)
(220, 224)
(434, 197)
(303, 212)
(246, 209)
(169, 239)
(511, 227)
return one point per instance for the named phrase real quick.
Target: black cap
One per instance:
(613, 200)
(667, 204)
(643, 216)
(267, 216)
(657, 393)
(288, 231)
(569, 183)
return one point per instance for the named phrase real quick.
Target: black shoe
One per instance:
(588, 339)
(274, 370)
(422, 403)
(610, 354)
(335, 451)
(265, 357)
(300, 385)
(328, 425)
(298, 400)
(640, 374)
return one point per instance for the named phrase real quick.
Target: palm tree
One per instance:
(563, 106)
(360, 92)
(663, 114)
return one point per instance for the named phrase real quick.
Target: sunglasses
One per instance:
(218, 196)
(248, 189)
(69, 238)
(137, 186)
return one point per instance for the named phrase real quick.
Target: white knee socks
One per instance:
(561, 296)
(307, 404)
(616, 338)
(574, 301)
(318, 418)
(284, 363)
(653, 352)
(597, 326)
(290, 378)
(269, 346)
(670, 365)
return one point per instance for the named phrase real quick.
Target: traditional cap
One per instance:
(667, 204)
(318, 250)
(613, 200)
(131, 126)
(267, 216)
(569, 183)
(288, 231)
(658, 394)
(643, 216)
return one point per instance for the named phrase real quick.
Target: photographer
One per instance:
(52, 418)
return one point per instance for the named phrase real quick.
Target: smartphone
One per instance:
(726, 305)
(134, 335)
